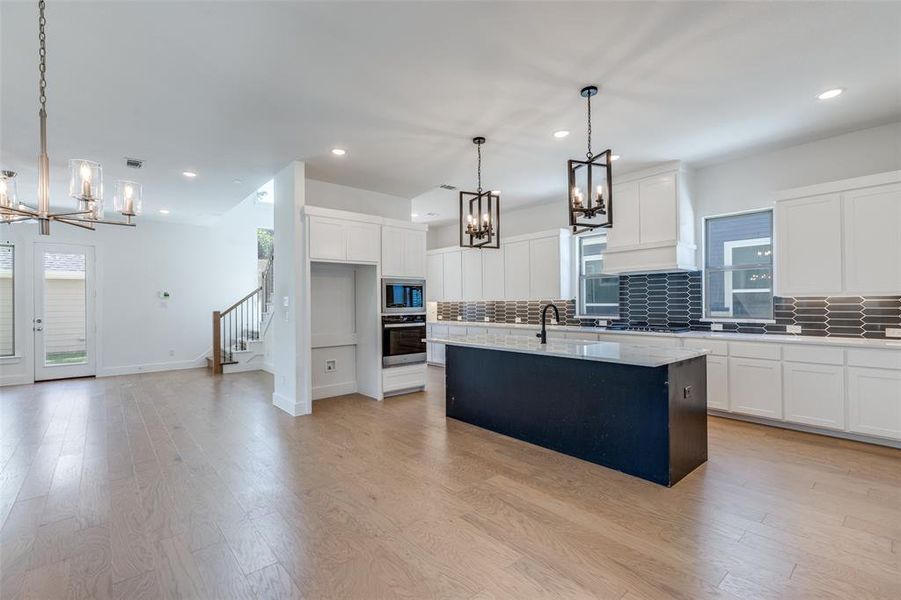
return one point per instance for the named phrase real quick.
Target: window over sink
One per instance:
(598, 294)
(738, 267)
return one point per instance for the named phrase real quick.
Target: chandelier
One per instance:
(85, 178)
(480, 218)
(590, 201)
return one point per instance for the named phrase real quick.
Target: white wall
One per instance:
(749, 182)
(342, 197)
(136, 330)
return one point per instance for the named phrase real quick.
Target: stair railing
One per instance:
(241, 323)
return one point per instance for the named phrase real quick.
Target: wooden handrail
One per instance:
(239, 302)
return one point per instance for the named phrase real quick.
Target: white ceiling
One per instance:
(235, 90)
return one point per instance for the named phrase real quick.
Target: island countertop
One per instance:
(610, 352)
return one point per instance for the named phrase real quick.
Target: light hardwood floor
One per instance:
(183, 485)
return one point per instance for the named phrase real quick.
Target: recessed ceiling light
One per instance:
(614, 157)
(164, 211)
(189, 174)
(829, 94)
(561, 134)
(339, 151)
(414, 215)
(236, 181)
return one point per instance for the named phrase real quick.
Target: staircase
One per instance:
(239, 330)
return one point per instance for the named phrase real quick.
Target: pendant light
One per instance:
(590, 194)
(85, 177)
(480, 212)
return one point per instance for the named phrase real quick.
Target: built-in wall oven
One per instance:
(401, 296)
(402, 337)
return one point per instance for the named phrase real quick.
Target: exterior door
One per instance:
(64, 336)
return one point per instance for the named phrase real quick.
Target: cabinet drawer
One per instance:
(478, 331)
(714, 347)
(871, 357)
(398, 379)
(814, 354)
(456, 330)
(755, 350)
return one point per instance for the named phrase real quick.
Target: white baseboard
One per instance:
(335, 389)
(268, 367)
(151, 367)
(16, 380)
(295, 409)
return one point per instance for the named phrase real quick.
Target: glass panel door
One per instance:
(63, 311)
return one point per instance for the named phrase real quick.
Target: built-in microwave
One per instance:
(403, 296)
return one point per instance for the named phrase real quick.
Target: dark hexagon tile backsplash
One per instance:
(675, 300)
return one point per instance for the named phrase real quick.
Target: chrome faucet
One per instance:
(543, 334)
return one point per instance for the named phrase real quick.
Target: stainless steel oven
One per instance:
(402, 337)
(401, 296)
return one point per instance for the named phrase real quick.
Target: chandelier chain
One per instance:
(42, 53)
(589, 128)
(479, 150)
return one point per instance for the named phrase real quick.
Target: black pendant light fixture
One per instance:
(590, 196)
(480, 212)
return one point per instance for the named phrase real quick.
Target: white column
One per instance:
(291, 319)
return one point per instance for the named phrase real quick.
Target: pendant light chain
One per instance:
(479, 150)
(589, 155)
(42, 53)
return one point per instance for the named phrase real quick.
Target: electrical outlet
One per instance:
(893, 332)
(330, 366)
(601, 323)
(459, 317)
(440, 318)
(518, 320)
(486, 319)
(792, 329)
(716, 327)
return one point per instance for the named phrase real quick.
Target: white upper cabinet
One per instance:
(808, 246)
(403, 252)
(625, 216)
(544, 268)
(472, 274)
(653, 223)
(657, 209)
(840, 238)
(453, 276)
(516, 270)
(434, 285)
(493, 274)
(873, 240)
(344, 240)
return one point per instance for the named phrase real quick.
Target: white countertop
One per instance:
(726, 336)
(611, 352)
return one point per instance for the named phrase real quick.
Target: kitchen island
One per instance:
(638, 409)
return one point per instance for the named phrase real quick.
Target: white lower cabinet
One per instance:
(717, 382)
(874, 402)
(755, 387)
(814, 394)
(401, 379)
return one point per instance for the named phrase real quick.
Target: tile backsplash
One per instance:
(675, 300)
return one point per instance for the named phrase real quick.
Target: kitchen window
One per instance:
(738, 267)
(7, 311)
(598, 293)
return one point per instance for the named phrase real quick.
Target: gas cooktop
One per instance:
(656, 328)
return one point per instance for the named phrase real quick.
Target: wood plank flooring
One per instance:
(184, 485)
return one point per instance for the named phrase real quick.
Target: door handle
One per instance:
(37, 328)
(38, 321)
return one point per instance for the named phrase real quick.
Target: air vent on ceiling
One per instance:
(447, 186)
(134, 163)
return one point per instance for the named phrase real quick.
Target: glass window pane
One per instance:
(752, 255)
(722, 233)
(594, 266)
(65, 317)
(7, 310)
(752, 305)
(752, 279)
